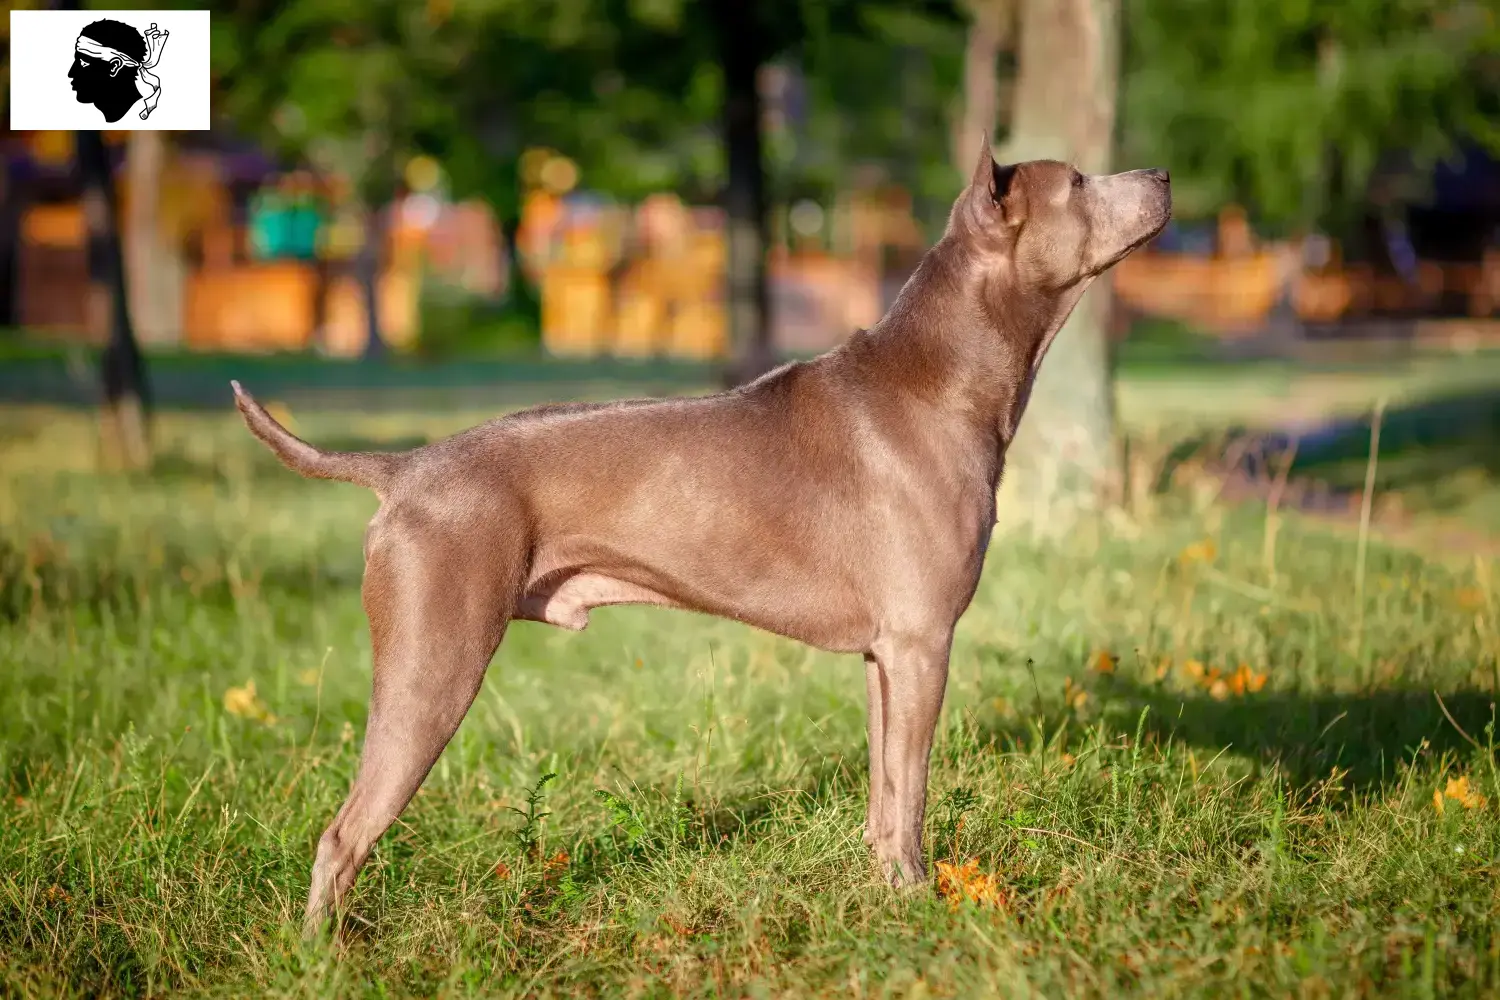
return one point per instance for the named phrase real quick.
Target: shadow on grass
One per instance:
(1420, 444)
(1367, 734)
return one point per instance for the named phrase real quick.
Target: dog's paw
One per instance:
(904, 874)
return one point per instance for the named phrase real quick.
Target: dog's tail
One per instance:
(370, 469)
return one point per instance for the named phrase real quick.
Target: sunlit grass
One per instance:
(1160, 770)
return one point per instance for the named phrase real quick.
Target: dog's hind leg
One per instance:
(438, 601)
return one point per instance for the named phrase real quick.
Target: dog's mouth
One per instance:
(1146, 237)
(1155, 230)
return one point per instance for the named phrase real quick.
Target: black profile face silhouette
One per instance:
(112, 65)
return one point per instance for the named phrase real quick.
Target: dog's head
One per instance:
(1055, 227)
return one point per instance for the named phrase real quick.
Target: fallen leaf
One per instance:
(1218, 690)
(1246, 681)
(678, 927)
(966, 883)
(245, 703)
(1459, 791)
(1104, 662)
(502, 870)
(1194, 669)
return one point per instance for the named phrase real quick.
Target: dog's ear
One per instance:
(993, 190)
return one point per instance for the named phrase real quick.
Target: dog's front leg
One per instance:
(913, 673)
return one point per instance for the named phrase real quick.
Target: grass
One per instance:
(1163, 826)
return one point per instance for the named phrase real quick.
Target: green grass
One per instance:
(1153, 839)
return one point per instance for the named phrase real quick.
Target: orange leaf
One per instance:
(966, 883)
(1104, 662)
(244, 702)
(1459, 791)
(1245, 680)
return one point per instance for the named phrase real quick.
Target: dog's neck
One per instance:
(967, 336)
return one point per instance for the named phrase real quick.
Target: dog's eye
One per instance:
(1077, 179)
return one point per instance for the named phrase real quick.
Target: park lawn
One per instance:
(1174, 773)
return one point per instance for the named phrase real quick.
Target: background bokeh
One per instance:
(1221, 718)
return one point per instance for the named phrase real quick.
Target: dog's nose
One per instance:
(1158, 174)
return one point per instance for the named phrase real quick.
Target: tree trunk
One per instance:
(990, 29)
(1064, 108)
(367, 272)
(748, 299)
(11, 199)
(126, 391)
(521, 299)
(152, 264)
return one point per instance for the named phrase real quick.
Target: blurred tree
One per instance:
(742, 53)
(645, 95)
(1064, 109)
(991, 25)
(1288, 106)
(883, 82)
(649, 95)
(610, 83)
(127, 398)
(345, 87)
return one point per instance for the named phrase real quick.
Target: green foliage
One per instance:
(631, 89)
(1246, 100)
(882, 82)
(529, 836)
(456, 323)
(348, 85)
(1286, 106)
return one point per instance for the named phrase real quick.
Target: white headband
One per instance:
(147, 83)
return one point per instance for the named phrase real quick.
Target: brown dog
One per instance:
(846, 502)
